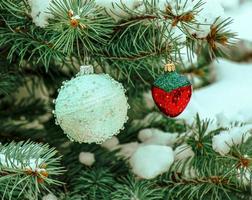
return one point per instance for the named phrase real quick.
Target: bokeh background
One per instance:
(229, 97)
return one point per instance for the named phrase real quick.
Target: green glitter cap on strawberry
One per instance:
(171, 92)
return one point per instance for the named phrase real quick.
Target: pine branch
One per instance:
(9, 82)
(207, 174)
(79, 25)
(217, 41)
(27, 168)
(82, 26)
(94, 184)
(130, 188)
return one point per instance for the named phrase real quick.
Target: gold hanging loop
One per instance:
(170, 67)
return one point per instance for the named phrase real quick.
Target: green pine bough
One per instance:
(133, 49)
(27, 168)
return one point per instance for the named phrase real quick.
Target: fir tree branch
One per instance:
(26, 169)
(79, 25)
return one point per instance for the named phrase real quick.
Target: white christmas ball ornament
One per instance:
(91, 107)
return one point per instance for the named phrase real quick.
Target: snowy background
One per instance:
(229, 99)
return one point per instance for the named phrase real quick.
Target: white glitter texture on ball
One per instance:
(91, 107)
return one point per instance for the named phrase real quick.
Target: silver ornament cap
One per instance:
(86, 69)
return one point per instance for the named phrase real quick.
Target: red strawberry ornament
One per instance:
(172, 92)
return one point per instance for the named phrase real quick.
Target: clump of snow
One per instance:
(151, 160)
(39, 12)
(110, 144)
(240, 134)
(175, 33)
(34, 125)
(230, 95)
(188, 57)
(186, 170)
(35, 163)
(49, 197)
(222, 120)
(183, 152)
(126, 150)
(145, 134)
(178, 7)
(223, 142)
(115, 8)
(148, 100)
(244, 176)
(189, 172)
(9, 162)
(150, 118)
(206, 16)
(87, 158)
(211, 10)
(157, 137)
(32, 164)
